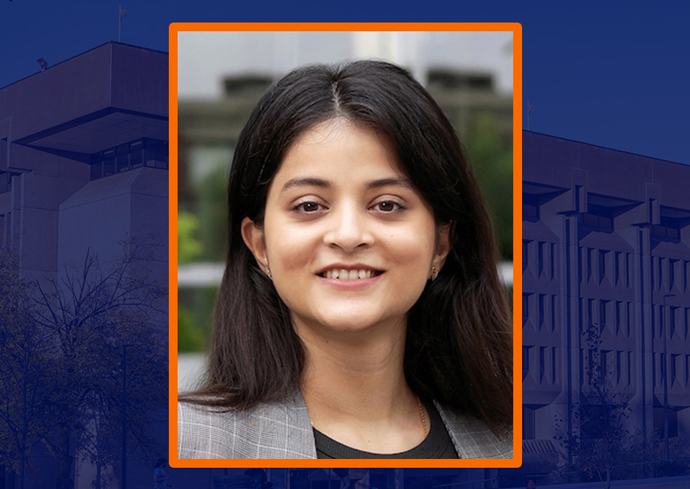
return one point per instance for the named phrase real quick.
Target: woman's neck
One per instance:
(355, 389)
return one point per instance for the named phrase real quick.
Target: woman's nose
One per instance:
(348, 229)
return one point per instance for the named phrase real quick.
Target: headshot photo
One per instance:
(345, 245)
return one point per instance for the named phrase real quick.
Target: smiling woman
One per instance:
(360, 314)
(350, 243)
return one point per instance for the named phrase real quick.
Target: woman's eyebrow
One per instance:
(303, 182)
(319, 182)
(390, 182)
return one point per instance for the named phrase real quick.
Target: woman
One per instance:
(360, 314)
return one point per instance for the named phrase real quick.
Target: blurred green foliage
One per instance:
(194, 313)
(188, 245)
(189, 337)
(213, 214)
(492, 164)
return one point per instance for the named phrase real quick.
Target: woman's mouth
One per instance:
(345, 274)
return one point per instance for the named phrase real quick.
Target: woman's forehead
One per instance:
(337, 151)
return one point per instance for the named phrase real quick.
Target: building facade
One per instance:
(606, 243)
(83, 166)
(83, 156)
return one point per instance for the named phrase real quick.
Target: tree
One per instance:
(100, 432)
(28, 368)
(92, 314)
(598, 439)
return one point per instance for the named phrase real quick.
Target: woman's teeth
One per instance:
(343, 274)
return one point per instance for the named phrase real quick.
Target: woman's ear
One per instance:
(253, 236)
(443, 238)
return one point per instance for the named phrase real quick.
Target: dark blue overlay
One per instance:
(83, 230)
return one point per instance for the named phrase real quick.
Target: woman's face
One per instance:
(349, 242)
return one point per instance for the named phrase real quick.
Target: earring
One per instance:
(434, 273)
(268, 272)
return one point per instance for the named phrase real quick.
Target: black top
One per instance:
(437, 444)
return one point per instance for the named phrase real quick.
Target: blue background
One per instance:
(613, 75)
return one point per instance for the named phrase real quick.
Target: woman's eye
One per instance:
(308, 207)
(388, 206)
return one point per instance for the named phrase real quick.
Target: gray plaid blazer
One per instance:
(283, 430)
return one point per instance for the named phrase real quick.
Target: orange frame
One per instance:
(516, 461)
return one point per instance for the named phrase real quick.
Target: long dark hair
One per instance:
(459, 342)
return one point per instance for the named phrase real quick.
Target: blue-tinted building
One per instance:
(83, 165)
(606, 242)
(83, 156)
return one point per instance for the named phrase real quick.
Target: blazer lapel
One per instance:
(285, 430)
(472, 438)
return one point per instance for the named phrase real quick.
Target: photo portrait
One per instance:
(345, 246)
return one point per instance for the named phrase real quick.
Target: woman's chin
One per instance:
(349, 324)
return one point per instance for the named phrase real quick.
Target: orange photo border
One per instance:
(516, 461)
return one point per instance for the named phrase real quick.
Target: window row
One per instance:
(668, 229)
(597, 217)
(676, 371)
(614, 315)
(129, 156)
(599, 368)
(676, 319)
(614, 267)
(541, 310)
(541, 363)
(668, 273)
(540, 258)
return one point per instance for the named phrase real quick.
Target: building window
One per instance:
(156, 153)
(542, 363)
(525, 361)
(598, 217)
(130, 156)
(136, 154)
(530, 207)
(668, 228)
(602, 265)
(528, 423)
(6, 181)
(671, 273)
(542, 310)
(590, 258)
(525, 255)
(541, 253)
(525, 308)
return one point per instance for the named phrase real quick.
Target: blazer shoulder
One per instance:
(270, 430)
(472, 438)
(204, 432)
